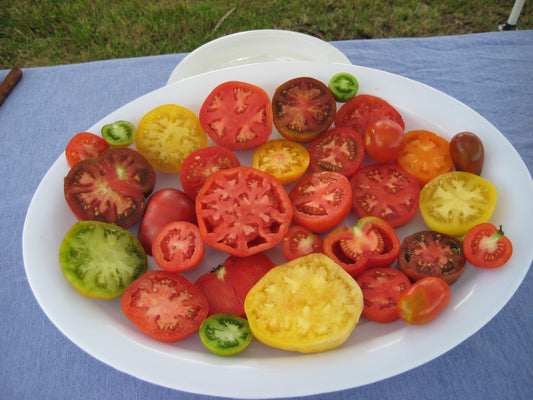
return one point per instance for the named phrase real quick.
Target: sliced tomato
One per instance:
(303, 108)
(384, 141)
(382, 288)
(321, 200)
(225, 334)
(486, 246)
(426, 155)
(301, 242)
(285, 159)
(385, 191)
(371, 243)
(364, 109)
(84, 145)
(243, 211)
(237, 115)
(164, 305)
(424, 300)
(339, 150)
(430, 253)
(200, 164)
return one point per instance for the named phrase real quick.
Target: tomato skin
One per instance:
(164, 305)
(300, 241)
(84, 145)
(285, 159)
(382, 288)
(486, 246)
(384, 141)
(467, 152)
(371, 243)
(424, 300)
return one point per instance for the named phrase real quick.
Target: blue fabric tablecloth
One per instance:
(492, 73)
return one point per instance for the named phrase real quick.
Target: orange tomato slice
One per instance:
(285, 159)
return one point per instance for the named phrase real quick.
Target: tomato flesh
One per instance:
(486, 246)
(84, 145)
(301, 242)
(225, 334)
(119, 133)
(424, 300)
(285, 159)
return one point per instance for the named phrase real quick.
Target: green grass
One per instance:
(52, 32)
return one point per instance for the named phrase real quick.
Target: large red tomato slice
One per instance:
(237, 115)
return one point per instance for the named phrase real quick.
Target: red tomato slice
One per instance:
(382, 288)
(237, 115)
(243, 211)
(301, 242)
(424, 300)
(384, 141)
(164, 305)
(84, 145)
(385, 191)
(361, 111)
(339, 150)
(178, 246)
(200, 164)
(430, 253)
(321, 200)
(303, 108)
(486, 246)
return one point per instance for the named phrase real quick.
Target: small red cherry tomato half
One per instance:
(237, 115)
(301, 242)
(226, 286)
(164, 305)
(430, 253)
(385, 191)
(321, 200)
(486, 246)
(364, 109)
(85, 145)
(339, 150)
(424, 300)
(371, 243)
(467, 152)
(382, 288)
(303, 109)
(178, 246)
(384, 141)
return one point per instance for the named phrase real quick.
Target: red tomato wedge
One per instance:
(301, 242)
(84, 145)
(385, 191)
(237, 115)
(361, 111)
(164, 305)
(321, 200)
(243, 211)
(486, 246)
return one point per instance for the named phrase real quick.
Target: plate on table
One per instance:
(374, 351)
(256, 46)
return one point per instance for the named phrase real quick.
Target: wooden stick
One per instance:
(9, 83)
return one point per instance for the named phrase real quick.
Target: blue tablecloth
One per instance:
(492, 73)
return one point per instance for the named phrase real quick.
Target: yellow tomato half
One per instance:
(285, 159)
(309, 305)
(455, 202)
(167, 134)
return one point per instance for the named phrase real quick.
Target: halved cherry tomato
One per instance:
(467, 152)
(227, 285)
(285, 159)
(119, 133)
(344, 86)
(303, 109)
(384, 141)
(200, 164)
(363, 110)
(382, 288)
(243, 211)
(426, 155)
(237, 115)
(455, 202)
(301, 242)
(164, 305)
(167, 134)
(321, 200)
(430, 253)
(385, 191)
(486, 246)
(225, 334)
(178, 246)
(339, 150)
(424, 300)
(371, 243)
(84, 145)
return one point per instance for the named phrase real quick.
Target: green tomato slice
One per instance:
(225, 334)
(119, 133)
(344, 86)
(100, 259)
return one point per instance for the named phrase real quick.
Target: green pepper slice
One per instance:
(225, 334)
(344, 86)
(119, 133)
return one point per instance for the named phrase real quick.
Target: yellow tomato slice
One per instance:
(285, 159)
(309, 305)
(167, 134)
(455, 202)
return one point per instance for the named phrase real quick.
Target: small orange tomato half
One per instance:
(424, 300)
